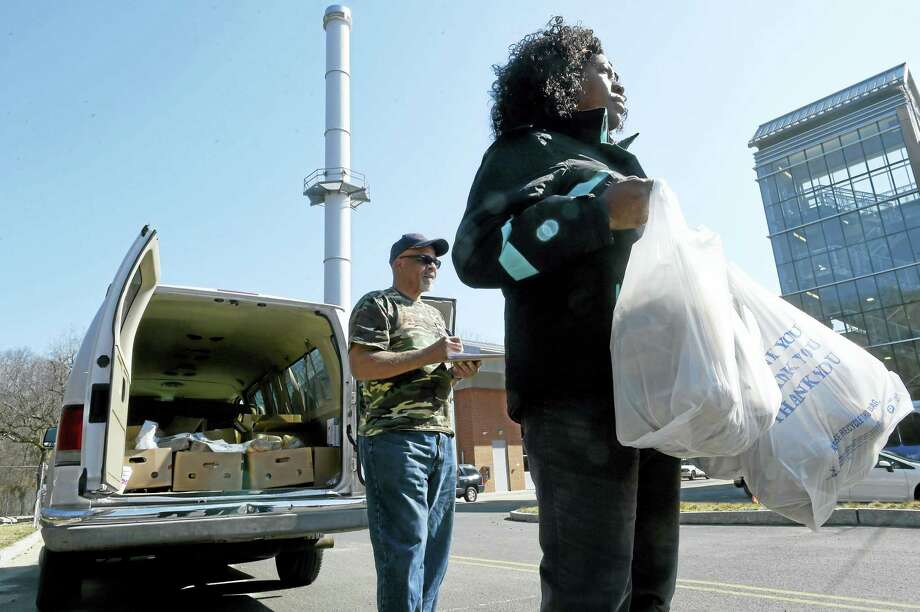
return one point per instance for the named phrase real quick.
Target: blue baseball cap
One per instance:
(417, 241)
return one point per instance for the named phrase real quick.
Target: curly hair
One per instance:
(542, 79)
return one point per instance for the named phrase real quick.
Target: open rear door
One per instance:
(448, 309)
(110, 370)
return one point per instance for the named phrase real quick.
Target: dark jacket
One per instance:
(534, 227)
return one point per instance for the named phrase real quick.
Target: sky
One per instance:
(202, 119)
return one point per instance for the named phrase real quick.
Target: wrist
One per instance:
(427, 356)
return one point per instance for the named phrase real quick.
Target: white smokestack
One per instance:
(336, 186)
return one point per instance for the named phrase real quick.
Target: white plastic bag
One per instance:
(839, 405)
(688, 375)
(147, 436)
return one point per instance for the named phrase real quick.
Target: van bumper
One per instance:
(140, 526)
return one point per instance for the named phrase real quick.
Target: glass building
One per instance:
(838, 178)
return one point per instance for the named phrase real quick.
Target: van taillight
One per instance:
(70, 433)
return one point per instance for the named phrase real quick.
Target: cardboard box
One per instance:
(149, 468)
(229, 435)
(327, 465)
(208, 471)
(280, 468)
(131, 436)
(279, 422)
(183, 424)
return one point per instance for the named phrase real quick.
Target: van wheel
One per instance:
(471, 494)
(299, 567)
(917, 493)
(58, 580)
(692, 475)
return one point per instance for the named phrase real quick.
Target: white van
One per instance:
(213, 361)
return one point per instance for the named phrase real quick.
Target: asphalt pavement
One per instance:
(494, 566)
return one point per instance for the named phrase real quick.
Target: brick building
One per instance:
(486, 437)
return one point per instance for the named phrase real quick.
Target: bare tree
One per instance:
(32, 390)
(31, 395)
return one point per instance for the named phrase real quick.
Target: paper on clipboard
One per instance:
(475, 356)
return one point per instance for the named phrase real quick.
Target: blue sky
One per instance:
(202, 118)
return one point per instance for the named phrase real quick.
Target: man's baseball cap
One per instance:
(417, 241)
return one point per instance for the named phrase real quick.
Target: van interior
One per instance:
(237, 370)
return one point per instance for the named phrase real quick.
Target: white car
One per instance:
(894, 478)
(253, 368)
(691, 471)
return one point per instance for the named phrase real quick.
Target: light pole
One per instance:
(337, 186)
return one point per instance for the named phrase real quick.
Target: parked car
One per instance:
(905, 439)
(894, 478)
(469, 482)
(739, 482)
(183, 357)
(691, 471)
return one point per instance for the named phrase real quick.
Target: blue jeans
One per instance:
(609, 514)
(411, 487)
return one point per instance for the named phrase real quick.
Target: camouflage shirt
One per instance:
(418, 400)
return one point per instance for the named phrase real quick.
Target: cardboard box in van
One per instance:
(183, 424)
(228, 435)
(279, 422)
(208, 471)
(131, 432)
(149, 468)
(327, 465)
(280, 468)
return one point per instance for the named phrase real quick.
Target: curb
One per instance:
(842, 517)
(524, 517)
(19, 547)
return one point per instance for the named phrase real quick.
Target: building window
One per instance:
(844, 219)
(849, 298)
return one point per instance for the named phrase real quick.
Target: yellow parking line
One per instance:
(496, 561)
(890, 604)
(727, 588)
(497, 565)
(813, 602)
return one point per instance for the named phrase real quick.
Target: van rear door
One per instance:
(110, 367)
(448, 309)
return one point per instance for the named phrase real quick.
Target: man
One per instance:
(398, 351)
(550, 219)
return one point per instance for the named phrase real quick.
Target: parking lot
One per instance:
(494, 566)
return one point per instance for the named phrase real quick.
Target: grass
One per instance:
(12, 533)
(718, 506)
(724, 506)
(914, 505)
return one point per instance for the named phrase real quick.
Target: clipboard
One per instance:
(475, 356)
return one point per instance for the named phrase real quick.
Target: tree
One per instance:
(32, 390)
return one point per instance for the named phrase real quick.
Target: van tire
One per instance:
(58, 580)
(470, 494)
(299, 567)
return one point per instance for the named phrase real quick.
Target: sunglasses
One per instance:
(425, 260)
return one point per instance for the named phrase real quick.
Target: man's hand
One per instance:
(368, 363)
(465, 369)
(627, 202)
(439, 351)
